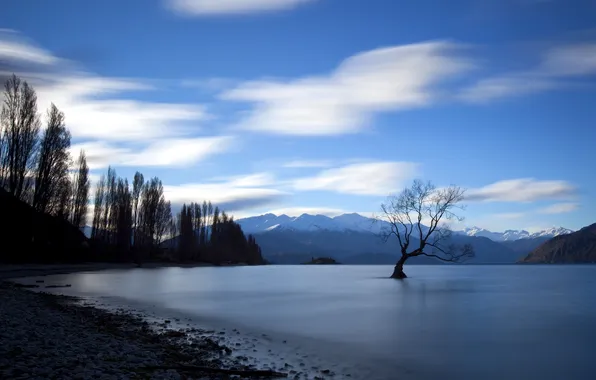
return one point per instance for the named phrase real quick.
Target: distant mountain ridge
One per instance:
(308, 222)
(576, 248)
(290, 246)
(354, 239)
(360, 223)
(513, 235)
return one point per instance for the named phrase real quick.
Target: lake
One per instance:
(447, 322)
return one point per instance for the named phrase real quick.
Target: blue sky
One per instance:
(326, 106)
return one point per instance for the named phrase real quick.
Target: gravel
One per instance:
(45, 336)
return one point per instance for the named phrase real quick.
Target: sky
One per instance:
(326, 106)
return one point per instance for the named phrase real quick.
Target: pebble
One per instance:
(41, 342)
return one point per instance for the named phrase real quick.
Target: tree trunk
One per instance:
(398, 271)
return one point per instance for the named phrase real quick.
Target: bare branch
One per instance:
(451, 253)
(20, 123)
(419, 204)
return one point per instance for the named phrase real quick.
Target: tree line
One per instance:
(36, 167)
(130, 222)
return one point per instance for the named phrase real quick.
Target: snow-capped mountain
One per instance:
(477, 231)
(308, 222)
(357, 222)
(512, 235)
(552, 232)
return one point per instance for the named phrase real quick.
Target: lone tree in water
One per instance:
(406, 212)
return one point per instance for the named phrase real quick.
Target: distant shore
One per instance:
(52, 336)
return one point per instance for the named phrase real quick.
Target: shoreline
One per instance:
(14, 271)
(57, 336)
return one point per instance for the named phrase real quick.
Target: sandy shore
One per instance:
(58, 337)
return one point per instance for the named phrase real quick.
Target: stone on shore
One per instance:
(48, 337)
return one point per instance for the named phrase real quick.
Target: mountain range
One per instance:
(354, 239)
(512, 235)
(357, 222)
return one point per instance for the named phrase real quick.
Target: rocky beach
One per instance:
(49, 336)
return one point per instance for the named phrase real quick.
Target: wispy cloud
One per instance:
(165, 152)
(89, 117)
(112, 128)
(570, 60)
(371, 178)
(507, 85)
(227, 7)
(307, 164)
(385, 79)
(522, 190)
(510, 215)
(209, 84)
(559, 208)
(558, 66)
(248, 180)
(14, 47)
(236, 194)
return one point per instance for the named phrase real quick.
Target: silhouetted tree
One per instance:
(108, 220)
(255, 256)
(137, 187)
(52, 168)
(197, 222)
(173, 231)
(407, 211)
(214, 226)
(62, 205)
(164, 220)
(206, 232)
(122, 208)
(151, 196)
(187, 239)
(80, 192)
(21, 125)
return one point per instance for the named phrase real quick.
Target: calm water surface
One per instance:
(448, 322)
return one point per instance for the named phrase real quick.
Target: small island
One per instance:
(321, 261)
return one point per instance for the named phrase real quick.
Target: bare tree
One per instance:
(99, 203)
(137, 187)
(406, 212)
(151, 197)
(203, 233)
(54, 160)
(164, 219)
(80, 192)
(21, 125)
(107, 219)
(61, 205)
(123, 215)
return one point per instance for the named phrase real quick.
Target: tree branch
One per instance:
(407, 211)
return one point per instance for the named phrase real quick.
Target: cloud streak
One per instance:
(14, 48)
(371, 178)
(559, 208)
(521, 190)
(235, 194)
(557, 68)
(85, 98)
(230, 7)
(386, 79)
(165, 152)
(307, 164)
(112, 128)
